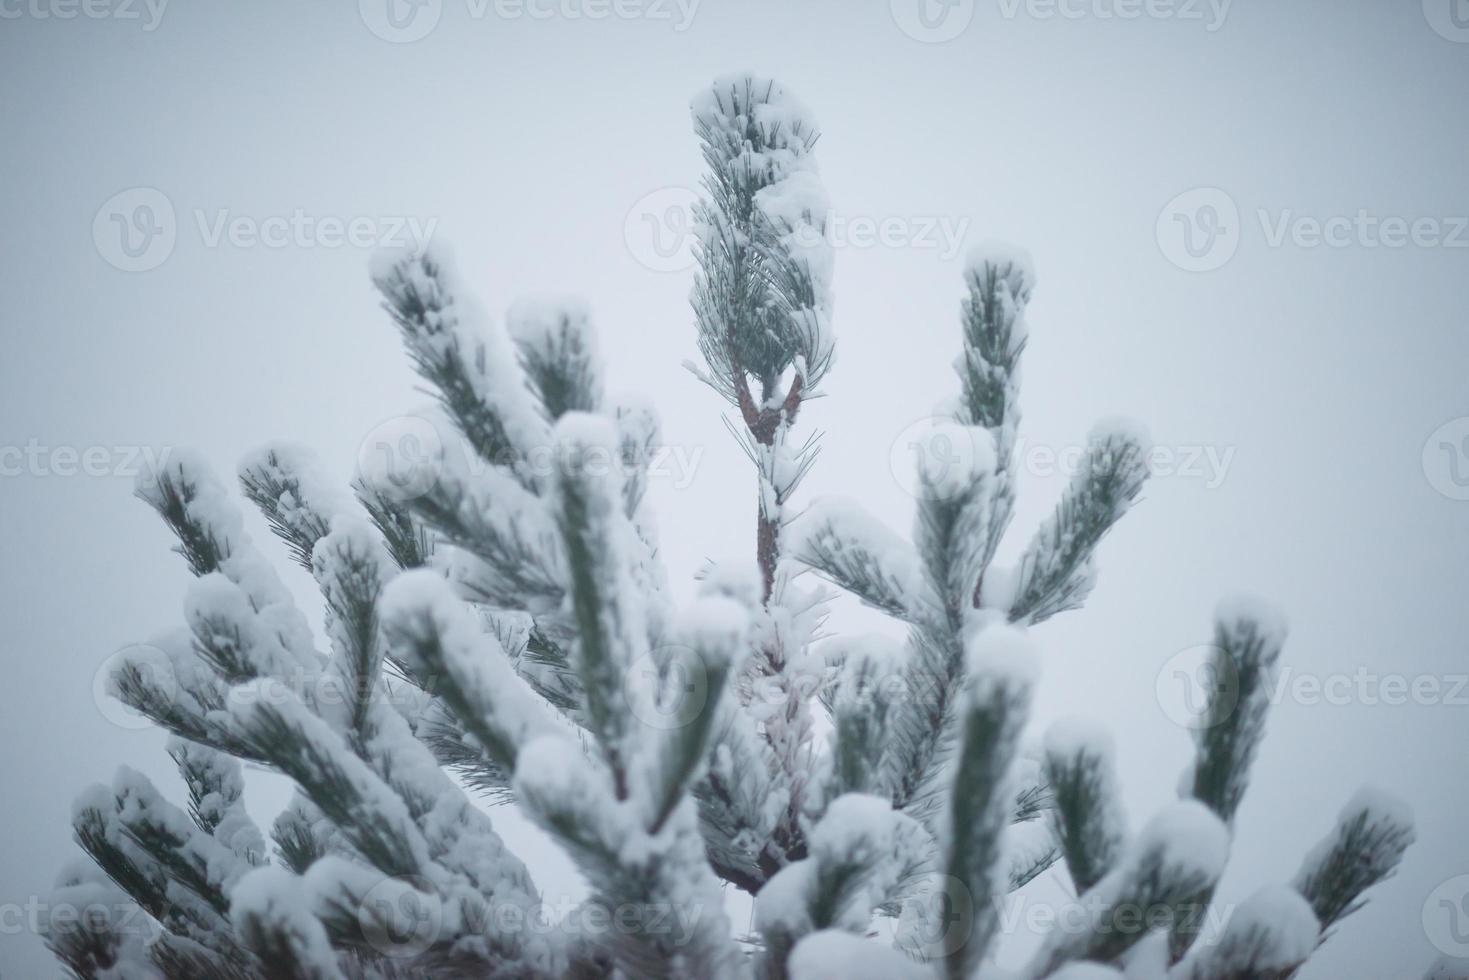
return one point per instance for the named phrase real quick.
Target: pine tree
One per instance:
(498, 634)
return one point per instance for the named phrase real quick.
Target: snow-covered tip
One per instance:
(1270, 933)
(1073, 737)
(1086, 971)
(1374, 805)
(229, 633)
(1011, 263)
(586, 448)
(549, 319)
(289, 478)
(717, 628)
(273, 917)
(183, 479)
(852, 817)
(555, 780)
(952, 458)
(420, 605)
(870, 655)
(1120, 431)
(1189, 837)
(736, 578)
(833, 954)
(1000, 656)
(736, 100)
(420, 265)
(350, 544)
(1246, 615)
(558, 350)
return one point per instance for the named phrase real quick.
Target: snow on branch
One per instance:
(1057, 572)
(860, 851)
(1267, 937)
(845, 545)
(195, 505)
(470, 364)
(869, 683)
(1372, 832)
(558, 352)
(1087, 810)
(442, 644)
(1248, 636)
(285, 481)
(1001, 671)
(610, 631)
(275, 922)
(1178, 855)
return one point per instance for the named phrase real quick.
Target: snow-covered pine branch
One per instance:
(508, 624)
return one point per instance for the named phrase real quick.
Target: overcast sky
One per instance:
(1248, 221)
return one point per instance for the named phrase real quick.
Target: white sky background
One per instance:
(1323, 370)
